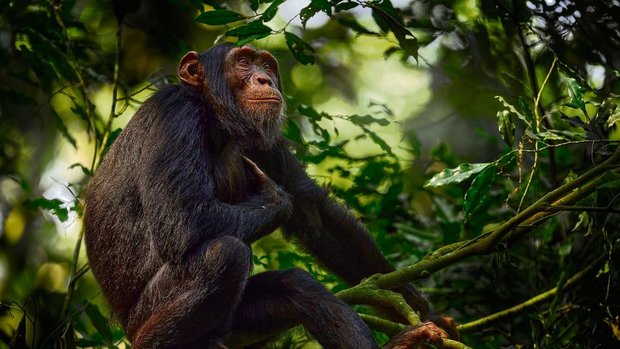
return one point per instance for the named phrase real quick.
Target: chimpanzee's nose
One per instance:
(263, 80)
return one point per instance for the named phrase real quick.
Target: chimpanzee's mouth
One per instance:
(267, 100)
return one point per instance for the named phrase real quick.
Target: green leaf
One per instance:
(293, 132)
(584, 222)
(379, 141)
(390, 51)
(315, 7)
(271, 11)
(259, 261)
(302, 51)
(526, 109)
(513, 110)
(383, 108)
(113, 136)
(389, 18)
(99, 321)
(355, 26)
(54, 205)
(382, 23)
(60, 125)
(253, 31)
(254, 4)
(80, 111)
(604, 270)
(604, 112)
(456, 175)
(248, 39)
(477, 195)
(43, 66)
(20, 335)
(506, 126)
(310, 112)
(252, 28)
(287, 259)
(367, 120)
(550, 135)
(219, 17)
(56, 57)
(575, 90)
(345, 6)
(84, 169)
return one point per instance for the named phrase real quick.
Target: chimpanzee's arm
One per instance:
(325, 228)
(186, 214)
(328, 230)
(177, 191)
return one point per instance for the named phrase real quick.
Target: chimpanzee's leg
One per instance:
(192, 300)
(276, 300)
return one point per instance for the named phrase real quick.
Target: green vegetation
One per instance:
(477, 140)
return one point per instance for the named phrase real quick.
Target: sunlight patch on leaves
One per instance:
(457, 174)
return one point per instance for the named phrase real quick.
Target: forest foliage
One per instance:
(497, 194)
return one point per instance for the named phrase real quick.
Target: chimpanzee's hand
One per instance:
(266, 185)
(419, 303)
(413, 338)
(447, 324)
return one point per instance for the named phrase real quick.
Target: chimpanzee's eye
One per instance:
(243, 61)
(267, 66)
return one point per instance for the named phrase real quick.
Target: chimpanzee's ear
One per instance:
(190, 69)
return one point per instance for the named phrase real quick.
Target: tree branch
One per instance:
(368, 293)
(388, 327)
(560, 208)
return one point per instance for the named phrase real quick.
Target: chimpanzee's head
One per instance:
(242, 86)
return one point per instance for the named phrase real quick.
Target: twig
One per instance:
(536, 142)
(531, 71)
(90, 117)
(582, 208)
(117, 57)
(74, 276)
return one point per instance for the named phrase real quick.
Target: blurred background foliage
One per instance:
(382, 96)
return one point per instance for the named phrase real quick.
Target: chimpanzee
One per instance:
(199, 173)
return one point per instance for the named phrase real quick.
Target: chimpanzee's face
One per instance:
(252, 76)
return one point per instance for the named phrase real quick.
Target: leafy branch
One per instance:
(371, 291)
(386, 16)
(509, 231)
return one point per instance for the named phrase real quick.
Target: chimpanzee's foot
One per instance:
(412, 338)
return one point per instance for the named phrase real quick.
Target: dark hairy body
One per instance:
(199, 173)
